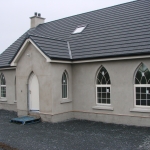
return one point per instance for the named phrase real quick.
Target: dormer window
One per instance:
(79, 29)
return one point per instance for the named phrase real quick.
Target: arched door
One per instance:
(33, 93)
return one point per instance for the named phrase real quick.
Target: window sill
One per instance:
(103, 108)
(3, 100)
(65, 101)
(144, 110)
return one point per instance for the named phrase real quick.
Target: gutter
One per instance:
(9, 68)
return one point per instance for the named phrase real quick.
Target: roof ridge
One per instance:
(47, 37)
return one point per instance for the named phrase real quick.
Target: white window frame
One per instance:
(3, 86)
(139, 85)
(103, 85)
(80, 26)
(67, 85)
(2, 98)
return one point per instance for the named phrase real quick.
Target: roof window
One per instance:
(79, 29)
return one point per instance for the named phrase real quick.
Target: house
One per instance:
(92, 66)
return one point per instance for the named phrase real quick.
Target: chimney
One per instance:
(36, 20)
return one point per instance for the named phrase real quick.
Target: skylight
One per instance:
(79, 29)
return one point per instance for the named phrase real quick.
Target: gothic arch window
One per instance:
(103, 87)
(142, 86)
(3, 86)
(64, 85)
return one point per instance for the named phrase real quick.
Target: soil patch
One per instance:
(3, 146)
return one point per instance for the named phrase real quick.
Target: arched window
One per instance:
(64, 86)
(3, 86)
(142, 86)
(103, 87)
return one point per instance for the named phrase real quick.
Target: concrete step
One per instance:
(34, 113)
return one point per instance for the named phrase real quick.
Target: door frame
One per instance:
(28, 92)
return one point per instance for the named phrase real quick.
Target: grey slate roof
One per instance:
(8, 54)
(121, 30)
(52, 47)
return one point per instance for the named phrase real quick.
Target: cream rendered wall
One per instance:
(122, 92)
(33, 61)
(61, 105)
(10, 103)
(50, 89)
(81, 89)
(61, 108)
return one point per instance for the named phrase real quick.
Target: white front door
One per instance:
(33, 93)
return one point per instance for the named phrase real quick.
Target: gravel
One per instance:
(72, 135)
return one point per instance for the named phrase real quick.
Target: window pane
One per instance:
(103, 95)
(104, 89)
(143, 89)
(143, 102)
(3, 91)
(98, 89)
(108, 82)
(104, 101)
(3, 82)
(138, 75)
(148, 102)
(65, 91)
(103, 70)
(137, 96)
(64, 85)
(79, 29)
(143, 68)
(103, 77)
(148, 96)
(147, 75)
(108, 95)
(148, 88)
(99, 100)
(64, 79)
(143, 81)
(137, 89)
(137, 102)
(108, 89)
(104, 80)
(142, 75)
(99, 78)
(136, 81)
(143, 96)
(108, 101)
(99, 95)
(107, 76)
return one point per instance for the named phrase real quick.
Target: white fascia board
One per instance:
(26, 43)
(7, 68)
(14, 62)
(61, 61)
(112, 59)
(102, 59)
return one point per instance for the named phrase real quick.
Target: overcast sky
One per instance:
(14, 14)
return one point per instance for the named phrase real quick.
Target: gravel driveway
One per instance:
(72, 135)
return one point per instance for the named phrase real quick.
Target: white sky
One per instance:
(14, 14)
